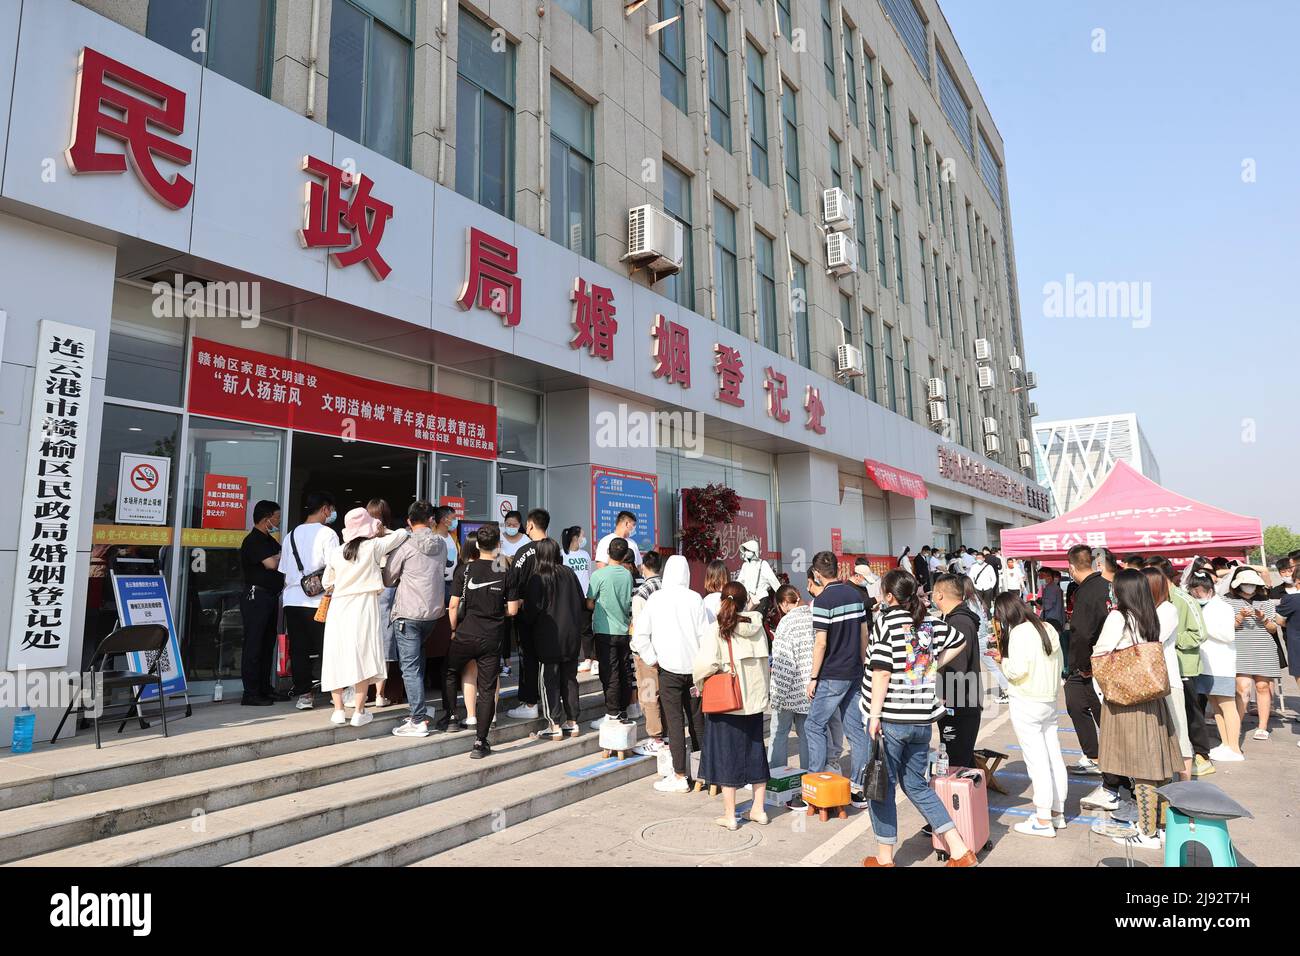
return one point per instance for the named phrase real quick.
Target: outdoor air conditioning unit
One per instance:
(986, 378)
(1014, 362)
(848, 359)
(983, 352)
(1033, 409)
(1026, 460)
(938, 411)
(654, 239)
(990, 426)
(934, 388)
(841, 254)
(837, 209)
(1031, 380)
(1022, 446)
(992, 444)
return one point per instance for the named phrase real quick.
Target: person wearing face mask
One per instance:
(625, 528)
(259, 559)
(512, 535)
(578, 559)
(1255, 626)
(1218, 677)
(756, 575)
(308, 551)
(445, 524)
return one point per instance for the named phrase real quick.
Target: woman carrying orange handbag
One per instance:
(731, 672)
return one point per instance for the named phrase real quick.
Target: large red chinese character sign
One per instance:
(333, 222)
(812, 404)
(672, 351)
(731, 374)
(593, 319)
(133, 121)
(778, 389)
(493, 281)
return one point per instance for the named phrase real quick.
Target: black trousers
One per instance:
(1197, 732)
(487, 653)
(588, 639)
(681, 713)
(306, 639)
(1084, 708)
(614, 652)
(559, 700)
(258, 608)
(529, 667)
(958, 732)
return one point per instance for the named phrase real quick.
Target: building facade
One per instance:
(1074, 455)
(380, 248)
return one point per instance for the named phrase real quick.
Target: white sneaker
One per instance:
(1100, 799)
(410, 728)
(471, 721)
(1032, 827)
(338, 718)
(650, 748)
(595, 669)
(584, 667)
(361, 718)
(349, 698)
(523, 712)
(1085, 765)
(305, 702)
(1225, 754)
(597, 723)
(381, 702)
(1059, 821)
(1140, 842)
(673, 784)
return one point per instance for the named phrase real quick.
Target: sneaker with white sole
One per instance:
(338, 718)
(673, 784)
(305, 702)
(1225, 754)
(1032, 827)
(469, 722)
(584, 667)
(650, 748)
(361, 718)
(596, 724)
(1085, 765)
(1201, 767)
(1059, 821)
(1140, 842)
(858, 800)
(523, 712)
(1100, 799)
(349, 697)
(595, 669)
(381, 702)
(409, 728)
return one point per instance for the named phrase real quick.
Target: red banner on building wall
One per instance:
(235, 383)
(900, 482)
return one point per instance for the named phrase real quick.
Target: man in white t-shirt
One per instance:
(624, 527)
(306, 551)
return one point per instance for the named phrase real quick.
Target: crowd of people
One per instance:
(722, 675)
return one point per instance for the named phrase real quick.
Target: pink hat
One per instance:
(358, 523)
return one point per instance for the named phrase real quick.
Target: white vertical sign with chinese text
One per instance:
(50, 513)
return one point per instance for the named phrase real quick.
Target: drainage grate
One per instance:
(697, 836)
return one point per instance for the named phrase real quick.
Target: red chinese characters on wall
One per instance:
(333, 222)
(134, 120)
(593, 319)
(812, 404)
(672, 351)
(778, 390)
(492, 278)
(731, 374)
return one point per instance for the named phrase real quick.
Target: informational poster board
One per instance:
(614, 490)
(142, 599)
(456, 504)
(142, 484)
(225, 502)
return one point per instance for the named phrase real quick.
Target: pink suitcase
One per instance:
(966, 799)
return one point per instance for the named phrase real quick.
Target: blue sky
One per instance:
(1126, 165)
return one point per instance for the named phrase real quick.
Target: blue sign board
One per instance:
(142, 599)
(612, 491)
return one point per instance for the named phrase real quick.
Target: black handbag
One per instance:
(875, 775)
(312, 585)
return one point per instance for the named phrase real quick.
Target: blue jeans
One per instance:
(778, 748)
(907, 753)
(409, 637)
(837, 697)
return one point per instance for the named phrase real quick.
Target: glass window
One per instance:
(925, 282)
(879, 203)
(468, 478)
(485, 117)
(889, 122)
(860, 215)
(929, 182)
(799, 312)
(846, 333)
(230, 37)
(757, 112)
(850, 73)
(790, 118)
(970, 238)
(672, 54)
(764, 266)
(952, 313)
(580, 10)
(526, 485)
(907, 378)
(869, 352)
(837, 178)
(828, 46)
(907, 21)
(459, 385)
(680, 287)
(938, 291)
(916, 165)
(519, 424)
(370, 74)
(990, 170)
(368, 363)
(573, 187)
(898, 256)
(891, 386)
(719, 78)
(724, 265)
(871, 102)
(953, 101)
(783, 17)
(264, 337)
(145, 353)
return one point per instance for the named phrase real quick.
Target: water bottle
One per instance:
(24, 730)
(941, 762)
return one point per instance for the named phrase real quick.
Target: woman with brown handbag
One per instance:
(731, 672)
(1137, 739)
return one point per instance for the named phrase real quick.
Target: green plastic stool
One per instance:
(1181, 830)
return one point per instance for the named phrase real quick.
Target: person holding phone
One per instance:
(1254, 621)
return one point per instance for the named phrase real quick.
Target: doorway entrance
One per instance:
(354, 472)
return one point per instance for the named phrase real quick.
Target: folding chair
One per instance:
(138, 638)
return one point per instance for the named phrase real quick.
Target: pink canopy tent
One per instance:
(1128, 513)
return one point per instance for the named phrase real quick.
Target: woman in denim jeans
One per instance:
(901, 705)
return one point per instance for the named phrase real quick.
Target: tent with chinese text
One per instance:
(1129, 513)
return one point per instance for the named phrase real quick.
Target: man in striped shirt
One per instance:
(841, 631)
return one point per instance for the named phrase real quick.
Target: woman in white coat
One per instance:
(1168, 616)
(1218, 677)
(353, 654)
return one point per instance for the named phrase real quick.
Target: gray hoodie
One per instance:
(415, 569)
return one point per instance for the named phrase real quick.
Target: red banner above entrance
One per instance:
(246, 386)
(900, 482)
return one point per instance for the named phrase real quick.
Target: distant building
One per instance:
(1073, 456)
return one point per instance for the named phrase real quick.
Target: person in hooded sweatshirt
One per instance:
(666, 634)
(414, 572)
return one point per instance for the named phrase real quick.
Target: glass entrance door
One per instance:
(353, 473)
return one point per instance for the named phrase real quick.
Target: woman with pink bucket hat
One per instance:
(353, 654)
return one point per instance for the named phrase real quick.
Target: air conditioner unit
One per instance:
(654, 239)
(992, 444)
(837, 209)
(1026, 461)
(983, 351)
(1031, 380)
(934, 388)
(1013, 361)
(938, 411)
(848, 359)
(1033, 409)
(1022, 446)
(986, 378)
(990, 426)
(841, 254)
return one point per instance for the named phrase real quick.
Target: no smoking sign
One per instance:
(142, 489)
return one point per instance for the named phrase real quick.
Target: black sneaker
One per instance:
(480, 750)
(254, 700)
(859, 800)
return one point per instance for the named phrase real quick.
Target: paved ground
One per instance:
(634, 825)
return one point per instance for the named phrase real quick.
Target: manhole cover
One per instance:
(696, 836)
